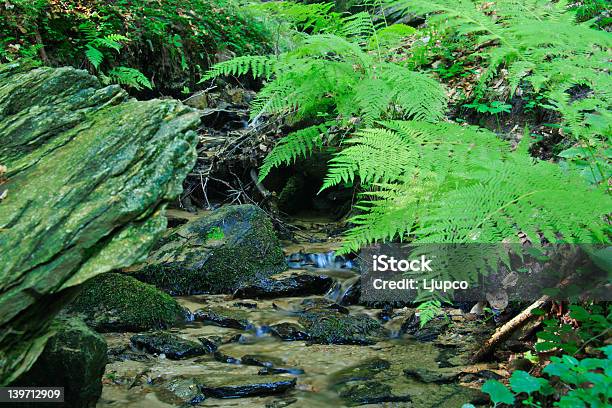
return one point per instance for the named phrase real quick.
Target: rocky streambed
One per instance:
(297, 338)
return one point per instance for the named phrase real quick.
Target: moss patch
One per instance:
(217, 253)
(115, 302)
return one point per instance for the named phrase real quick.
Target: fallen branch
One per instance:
(504, 332)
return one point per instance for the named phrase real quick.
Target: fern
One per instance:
(294, 145)
(94, 56)
(461, 185)
(258, 66)
(129, 77)
(542, 45)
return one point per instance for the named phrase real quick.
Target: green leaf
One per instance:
(522, 381)
(497, 392)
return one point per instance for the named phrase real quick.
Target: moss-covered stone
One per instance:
(217, 253)
(328, 326)
(116, 302)
(89, 175)
(172, 346)
(73, 358)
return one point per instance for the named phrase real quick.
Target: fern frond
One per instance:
(94, 56)
(462, 185)
(259, 66)
(297, 144)
(129, 77)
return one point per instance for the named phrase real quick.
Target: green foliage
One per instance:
(595, 323)
(582, 383)
(172, 41)
(444, 183)
(545, 50)
(493, 108)
(333, 76)
(498, 393)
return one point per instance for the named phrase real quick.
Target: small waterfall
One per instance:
(323, 260)
(339, 290)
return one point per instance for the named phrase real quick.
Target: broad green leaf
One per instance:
(522, 381)
(498, 392)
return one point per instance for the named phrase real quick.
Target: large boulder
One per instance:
(73, 358)
(114, 302)
(89, 175)
(217, 253)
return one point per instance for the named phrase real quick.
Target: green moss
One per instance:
(73, 358)
(329, 327)
(171, 41)
(189, 261)
(115, 302)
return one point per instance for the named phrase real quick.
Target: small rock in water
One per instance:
(275, 370)
(439, 376)
(261, 360)
(326, 326)
(172, 346)
(288, 332)
(245, 386)
(357, 385)
(224, 317)
(296, 285)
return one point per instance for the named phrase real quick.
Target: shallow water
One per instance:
(135, 384)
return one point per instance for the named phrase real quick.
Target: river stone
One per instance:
(73, 358)
(89, 175)
(223, 317)
(436, 375)
(240, 386)
(173, 346)
(288, 331)
(216, 253)
(114, 302)
(296, 285)
(325, 326)
(357, 385)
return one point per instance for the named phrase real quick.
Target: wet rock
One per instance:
(366, 370)
(240, 386)
(288, 332)
(247, 305)
(276, 370)
(125, 353)
(323, 303)
(210, 344)
(370, 392)
(261, 360)
(223, 317)
(217, 253)
(357, 385)
(89, 175)
(352, 294)
(224, 358)
(117, 302)
(183, 390)
(438, 376)
(429, 332)
(326, 326)
(173, 346)
(296, 285)
(481, 375)
(73, 358)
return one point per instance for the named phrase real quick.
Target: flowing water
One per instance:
(136, 382)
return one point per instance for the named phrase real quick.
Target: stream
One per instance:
(407, 367)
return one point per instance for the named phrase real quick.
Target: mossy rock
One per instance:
(73, 358)
(90, 173)
(116, 302)
(231, 247)
(327, 326)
